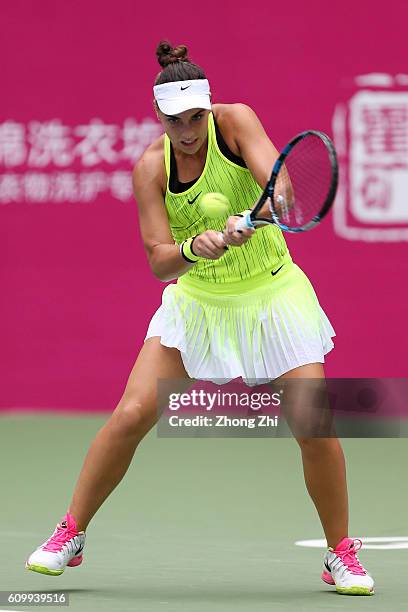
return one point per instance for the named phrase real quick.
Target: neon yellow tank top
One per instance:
(264, 249)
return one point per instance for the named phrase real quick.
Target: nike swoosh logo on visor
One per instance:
(183, 88)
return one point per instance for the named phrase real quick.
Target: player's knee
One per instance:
(133, 417)
(317, 446)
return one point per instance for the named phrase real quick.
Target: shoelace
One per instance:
(61, 537)
(350, 559)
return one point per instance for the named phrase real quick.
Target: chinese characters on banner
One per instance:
(52, 162)
(371, 137)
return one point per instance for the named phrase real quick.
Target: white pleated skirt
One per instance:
(256, 329)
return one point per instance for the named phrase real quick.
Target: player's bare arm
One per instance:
(251, 142)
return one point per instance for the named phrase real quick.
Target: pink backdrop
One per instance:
(77, 293)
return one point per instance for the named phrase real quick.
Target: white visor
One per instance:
(179, 96)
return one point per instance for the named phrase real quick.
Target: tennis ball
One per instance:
(214, 205)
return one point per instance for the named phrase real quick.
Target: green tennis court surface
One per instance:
(196, 524)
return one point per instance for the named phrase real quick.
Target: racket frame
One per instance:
(252, 221)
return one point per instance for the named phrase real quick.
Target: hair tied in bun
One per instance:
(175, 63)
(166, 54)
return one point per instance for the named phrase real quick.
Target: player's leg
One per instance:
(323, 459)
(110, 453)
(113, 447)
(310, 419)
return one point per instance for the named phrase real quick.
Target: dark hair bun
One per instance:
(166, 54)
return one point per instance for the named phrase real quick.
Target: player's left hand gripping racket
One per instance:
(302, 186)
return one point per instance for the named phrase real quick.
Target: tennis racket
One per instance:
(302, 186)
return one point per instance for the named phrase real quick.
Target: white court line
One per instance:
(375, 543)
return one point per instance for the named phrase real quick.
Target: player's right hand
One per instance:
(236, 237)
(209, 244)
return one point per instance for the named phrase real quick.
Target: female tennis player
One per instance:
(240, 307)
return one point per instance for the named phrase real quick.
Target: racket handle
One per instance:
(244, 222)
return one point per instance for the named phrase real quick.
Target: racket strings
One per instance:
(303, 182)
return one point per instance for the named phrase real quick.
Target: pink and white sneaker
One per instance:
(343, 569)
(63, 548)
